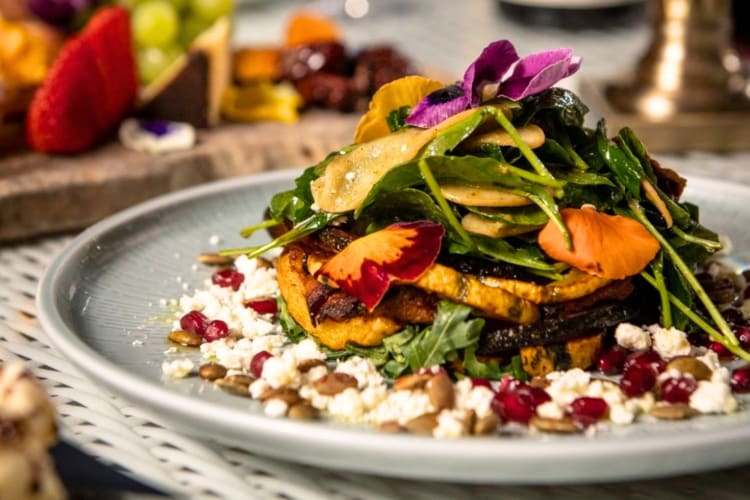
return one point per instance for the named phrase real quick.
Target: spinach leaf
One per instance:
(404, 205)
(529, 256)
(627, 171)
(454, 135)
(561, 105)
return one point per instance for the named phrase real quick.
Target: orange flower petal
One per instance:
(367, 266)
(609, 246)
(406, 91)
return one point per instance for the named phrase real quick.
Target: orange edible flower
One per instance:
(406, 91)
(367, 266)
(250, 64)
(609, 246)
(309, 27)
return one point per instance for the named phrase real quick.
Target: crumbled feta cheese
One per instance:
(281, 371)
(362, 369)
(550, 409)
(177, 368)
(275, 408)
(566, 386)
(450, 424)
(670, 342)
(713, 397)
(258, 387)
(214, 240)
(347, 405)
(307, 349)
(402, 406)
(477, 399)
(620, 414)
(632, 337)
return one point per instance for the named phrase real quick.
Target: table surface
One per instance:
(445, 35)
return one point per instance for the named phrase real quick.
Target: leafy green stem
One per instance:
(661, 286)
(429, 179)
(530, 156)
(702, 323)
(250, 230)
(714, 245)
(713, 311)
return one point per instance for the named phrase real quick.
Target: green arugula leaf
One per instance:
(627, 171)
(450, 332)
(290, 327)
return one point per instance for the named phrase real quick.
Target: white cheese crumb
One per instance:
(450, 424)
(713, 397)
(177, 368)
(281, 371)
(550, 409)
(275, 408)
(214, 240)
(632, 337)
(566, 386)
(670, 342)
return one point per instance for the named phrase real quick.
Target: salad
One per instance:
(479, 232)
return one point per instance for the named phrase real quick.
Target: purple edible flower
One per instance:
(531, 75)
(156, 127)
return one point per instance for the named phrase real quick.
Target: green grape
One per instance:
(155, 23)
(152, 61)
(211, 9)
(192, 27)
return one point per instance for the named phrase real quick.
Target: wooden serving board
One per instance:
(42, 194)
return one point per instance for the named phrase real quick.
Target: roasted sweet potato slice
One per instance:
(581, 353)
(295, 283)
(466, 289)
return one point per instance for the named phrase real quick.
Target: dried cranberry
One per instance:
(678, 390)
(647, 357)
(720, 350)
(194, 322)
(216, 329)
(740, 379)
(513, 407)
(587, 410)
(612, 361)
(256, 364)
(228, 278)
(265, 305)
(637, 380)
(481, 382)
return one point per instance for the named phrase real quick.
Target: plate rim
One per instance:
(380, 451)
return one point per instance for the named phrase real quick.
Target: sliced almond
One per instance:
(441, 392)
(303, 411)
(690, 365)
(334, 383)
(486, 425)
(286, 394)
(423, 424)
(411, 382)
(306, 365)
(559, 425)
(186, 339)
(671, 411)
(390, 426)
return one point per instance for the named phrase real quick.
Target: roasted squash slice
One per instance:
(466, 289)
(368, 329)
(574, 285)
(538, 361)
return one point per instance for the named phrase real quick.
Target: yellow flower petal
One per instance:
(406, 91)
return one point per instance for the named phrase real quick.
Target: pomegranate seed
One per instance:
(721, 350)
(535, 395)
(647, 357)
(740, 379)
(612, 361)
(678, 390)
(266, 305)
(256, 364)
(508, 384)
(513, 407)
(587, 410)
(228, 278)
(481, 382)
(743, 335)
(216, 329)
(637, 380)
(194, 322)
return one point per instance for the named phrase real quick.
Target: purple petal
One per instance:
(537, 72)
(437, 106)
(491, 65)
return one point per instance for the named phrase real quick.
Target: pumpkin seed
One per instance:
(186, 339)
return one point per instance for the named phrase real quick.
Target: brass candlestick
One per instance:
(688, 91)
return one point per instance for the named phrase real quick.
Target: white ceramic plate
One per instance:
(101, 298)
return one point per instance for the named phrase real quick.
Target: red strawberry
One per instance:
(90, 87)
